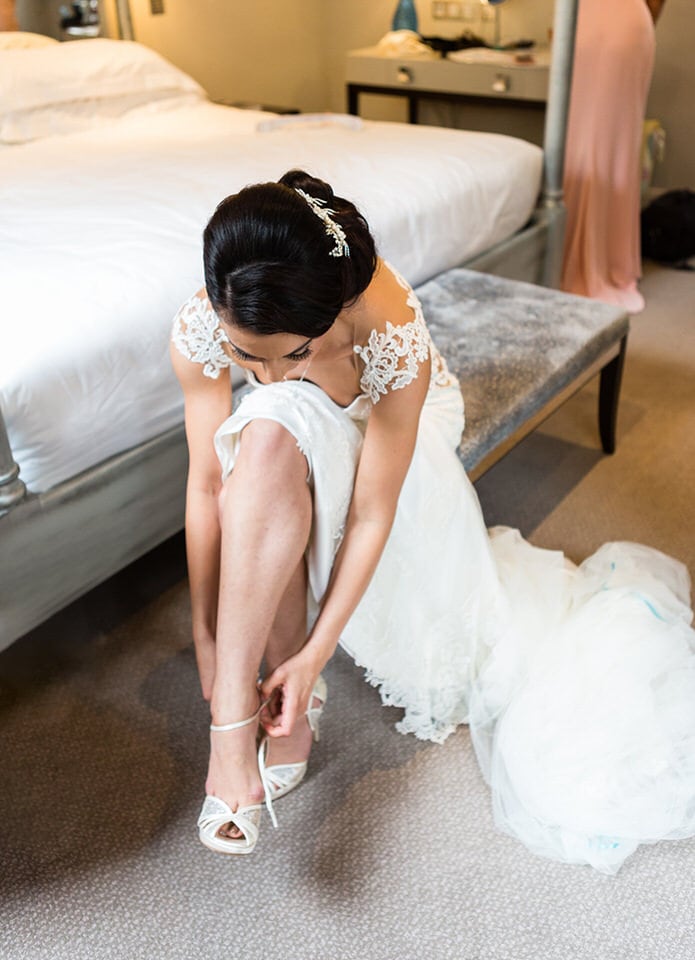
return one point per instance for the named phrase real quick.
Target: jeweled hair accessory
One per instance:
(333, 229)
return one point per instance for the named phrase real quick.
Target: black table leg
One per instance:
(608, 396)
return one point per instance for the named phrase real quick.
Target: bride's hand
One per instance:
(288, 689)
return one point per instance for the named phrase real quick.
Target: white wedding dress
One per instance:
(578, 683)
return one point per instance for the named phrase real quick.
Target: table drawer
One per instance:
(516, 81)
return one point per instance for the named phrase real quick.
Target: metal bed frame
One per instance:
(55, 546)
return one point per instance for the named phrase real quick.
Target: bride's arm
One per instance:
(207, 403)
(386, 455)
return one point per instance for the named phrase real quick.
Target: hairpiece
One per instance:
(333, 229)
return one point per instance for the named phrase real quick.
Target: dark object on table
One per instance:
(668, 229)
(518, 45)
(444, 45)
(467, 40)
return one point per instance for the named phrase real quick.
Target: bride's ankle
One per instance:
(233, 765)
(227, 710)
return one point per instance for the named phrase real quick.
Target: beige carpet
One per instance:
(388, 852)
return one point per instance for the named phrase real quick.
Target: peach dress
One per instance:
(614, 58)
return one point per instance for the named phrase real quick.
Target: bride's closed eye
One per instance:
(292, 357)
(302, 355)
(241, 354)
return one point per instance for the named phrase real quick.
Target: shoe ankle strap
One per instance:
(223, 727)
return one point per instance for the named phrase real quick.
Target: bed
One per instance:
(103, 202)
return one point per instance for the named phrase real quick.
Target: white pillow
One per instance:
(22, 126)
(70, 86)
(19, 40)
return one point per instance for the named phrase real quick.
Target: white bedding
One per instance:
(100, 242)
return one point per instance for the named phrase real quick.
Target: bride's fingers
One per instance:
(282, 724)
(272, 709)
(272, 684)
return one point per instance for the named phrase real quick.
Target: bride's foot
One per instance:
(235, 790)
(286, 760)
(233, 774)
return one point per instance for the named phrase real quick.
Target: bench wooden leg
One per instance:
(609, 394)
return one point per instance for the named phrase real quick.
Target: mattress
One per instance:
(100, 242)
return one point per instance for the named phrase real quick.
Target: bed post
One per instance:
(560, 83)
(12, 490)
(125, 20)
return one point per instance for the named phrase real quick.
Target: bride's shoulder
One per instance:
(388, 302)
(198, 335)
(390, 335)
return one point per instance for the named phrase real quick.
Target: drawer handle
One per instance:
(404, 75)
(501, 83)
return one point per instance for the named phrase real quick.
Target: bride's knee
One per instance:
(269, 469)
(268, 458)
(266, 442)
(269, 465)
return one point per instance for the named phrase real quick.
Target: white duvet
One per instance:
(100, 242)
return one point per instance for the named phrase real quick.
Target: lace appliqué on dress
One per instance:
(197, 335)
(392, 359)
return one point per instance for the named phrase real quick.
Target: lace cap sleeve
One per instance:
(197, 334)
(392, 357)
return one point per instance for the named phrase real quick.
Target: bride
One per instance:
(330, 507)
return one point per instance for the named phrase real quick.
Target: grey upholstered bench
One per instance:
(520, 351)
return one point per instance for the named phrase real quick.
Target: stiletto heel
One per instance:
(313, 714)
(217, 813)
(283, 777)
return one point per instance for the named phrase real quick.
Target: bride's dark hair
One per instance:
(268, 262)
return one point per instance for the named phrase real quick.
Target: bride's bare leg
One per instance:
(287, 637)
(266, 519)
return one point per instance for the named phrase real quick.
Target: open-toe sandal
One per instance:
(283, 777)
(217, 813)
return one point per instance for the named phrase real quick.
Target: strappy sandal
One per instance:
(217, 813)
(283, 777)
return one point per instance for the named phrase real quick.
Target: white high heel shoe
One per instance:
(217, 813)
(283, 777)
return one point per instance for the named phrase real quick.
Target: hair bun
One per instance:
(301, 180)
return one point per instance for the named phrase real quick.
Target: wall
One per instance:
(671, 96)
(263, 50)
(39, 17)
